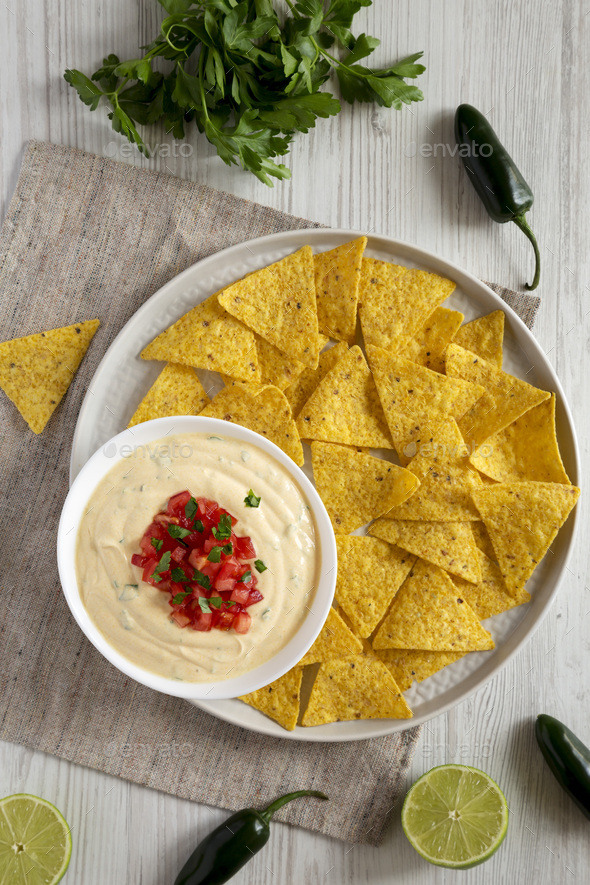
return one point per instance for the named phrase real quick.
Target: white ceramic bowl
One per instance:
(82, 489)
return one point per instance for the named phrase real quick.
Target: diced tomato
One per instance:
(210, 569)
(178, 553)
(203, 621)
(197, 559)
(210, 544)
(254, 596)
(178, 502)
(244, 548)
(181, 619)
(240, 594)
(148, 571)
(195, 540)
(242, 622)
(138, 560)
(226, 620)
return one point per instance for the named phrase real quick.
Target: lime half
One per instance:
(35, 841)
(455, 816)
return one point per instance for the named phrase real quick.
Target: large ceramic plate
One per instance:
(122, 379)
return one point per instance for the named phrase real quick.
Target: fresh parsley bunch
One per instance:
(249, 80)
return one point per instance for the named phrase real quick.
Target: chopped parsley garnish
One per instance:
(223, 530)
(162, 566)
(198, 526)
(204, 604)
(180, 597)
(216, 601)
(179, 577)
(215, 552)
(260, 566)
(157, 543)
(201, 579)
(176, 531)
(190, 511)
(252, 500)
(247, 576)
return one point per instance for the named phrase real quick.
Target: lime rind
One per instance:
(455, 816)
(42, 830)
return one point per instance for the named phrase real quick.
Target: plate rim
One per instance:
(421, 257)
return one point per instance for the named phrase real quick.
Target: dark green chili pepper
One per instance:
(225, 851)
(494, 175)
(567, 757)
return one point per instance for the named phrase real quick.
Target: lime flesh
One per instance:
(35, 841)
(455, 816)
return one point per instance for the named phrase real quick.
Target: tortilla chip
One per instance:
(370, 572)
(300, 390)
(482, 539)
(411, 665)
(522, 519)
(345, 407)
(484, 336)
(356, 487)
(208, 338)
(525, 450)
(416, 400)
(176, 391)
(446, 480)
(280, 699)
(428, 344)
(507, 397)
(36, 371)
(278, 369)
(427, 613)
(449, 545)
(395, 301)
(261, 408)
(278, 303)
(335, 640)
(354, 688)
(337, 276)
(490, 596)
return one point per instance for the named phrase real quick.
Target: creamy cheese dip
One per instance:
(134, 617)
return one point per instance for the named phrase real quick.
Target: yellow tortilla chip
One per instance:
(525, 450)
(176, 391)
(446, 480)
(278, 369)
(337, 276)
(427, 613)
(490, 596)
(278, 302)
(280, 699)
(354, 688)
(411, 665)
(36, 371)
(370, 572)
(484, 336)
(416, 400)
(449, 545)
(261, 408)
(395, 301)
(335, 640)
(208, 338)
(345, 407)
(356, 487)
(509, 396)
(482, 539)
(300, 390)
(428, 344)
(522, 519)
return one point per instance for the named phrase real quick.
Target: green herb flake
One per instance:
(252, 500)
(260, 566)
(157, 543)
(204, 604)
(162, 566)
(180, 597)
(198, 526)
(216, 601)
(223, 530)
(247, 576)
(201, 579)
(176, 531)
(190, 509)
(179, 576)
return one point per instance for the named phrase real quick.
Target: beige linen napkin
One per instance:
(88, 237)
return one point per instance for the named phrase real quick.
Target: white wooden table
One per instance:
(528, 65)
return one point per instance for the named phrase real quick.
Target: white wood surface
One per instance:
(527, 64)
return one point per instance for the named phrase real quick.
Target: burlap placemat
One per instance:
(88, 237)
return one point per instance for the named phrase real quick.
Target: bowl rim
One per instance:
(94, 471)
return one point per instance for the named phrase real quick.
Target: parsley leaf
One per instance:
(246, 577)
(260, 566)
(191, 507)
(216, 601)
(179, 576)
(176, 531)
(201, 579)
(180, 597)
(156, 544)
(223, 530)
(204, 604)
(215, 552)
(162, 566)
(251, 500)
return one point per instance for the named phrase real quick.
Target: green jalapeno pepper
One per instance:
(225, 851)
(567, 757)
(494, 175)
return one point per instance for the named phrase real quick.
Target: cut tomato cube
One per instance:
(181, 619)
(178, 553)
(240, 594)
(210, 569)
(226, 620)
(148, 571)
(197, 559)
(178, 502)
(242, 622)
(203, 621)
(254, 596)
(244, 548)
(138, 560)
